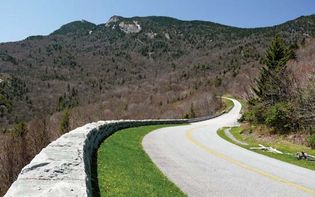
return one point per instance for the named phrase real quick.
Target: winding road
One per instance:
(201, 163)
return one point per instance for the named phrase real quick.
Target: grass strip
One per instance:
(124, 169)
(289, 149)
(228, 104)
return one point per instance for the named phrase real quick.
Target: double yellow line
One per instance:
(242, 165)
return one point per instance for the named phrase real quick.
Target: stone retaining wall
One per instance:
(64, 167)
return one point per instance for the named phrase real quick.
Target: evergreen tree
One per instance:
(273, 82)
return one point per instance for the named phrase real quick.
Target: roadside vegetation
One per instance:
(280, 100)
(124, 169)
(228, 104)
(289, 149)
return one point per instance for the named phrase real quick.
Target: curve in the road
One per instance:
(201, 163)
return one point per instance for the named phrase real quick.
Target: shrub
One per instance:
(279, 116)
(254, 114)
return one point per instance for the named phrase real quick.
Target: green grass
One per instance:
(228, 104)
(241, 100)
(284, 146)
(124, 169)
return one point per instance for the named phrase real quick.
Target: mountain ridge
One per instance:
(94, 25)
(135, 48)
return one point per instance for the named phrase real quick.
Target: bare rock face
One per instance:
(151, 35)
(113, 19)
(167, 36)
(133, 27)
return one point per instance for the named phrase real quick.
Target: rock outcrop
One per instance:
(151, 35)
(113, 19)
(133, 27)
(167, 36)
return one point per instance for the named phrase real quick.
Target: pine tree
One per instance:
(277, 54)
(273, 83)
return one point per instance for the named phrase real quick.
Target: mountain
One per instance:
(82, 63)
(139, 67)
(76, 27)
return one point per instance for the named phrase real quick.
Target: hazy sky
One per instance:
(22, 18)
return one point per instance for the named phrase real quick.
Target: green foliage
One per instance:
(311, 141)
(255, 113)
(272, 85)
(228, 104)
(68, 100)
(272, 105)
(279, 116)
(65, 122)
(12, 89)
(277, 54)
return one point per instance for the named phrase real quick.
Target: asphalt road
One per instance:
(201, 163)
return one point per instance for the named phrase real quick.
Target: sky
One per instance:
(22, 18)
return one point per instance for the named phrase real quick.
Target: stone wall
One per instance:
(65, 166)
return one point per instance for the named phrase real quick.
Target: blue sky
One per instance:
(22, 18)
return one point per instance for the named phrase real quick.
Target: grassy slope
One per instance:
(228, 104)
(279, 144)
(124, 169)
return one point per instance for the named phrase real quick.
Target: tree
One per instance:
(271, 104)
(273, 83)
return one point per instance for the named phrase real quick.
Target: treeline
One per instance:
(18, 147)
(278, 99)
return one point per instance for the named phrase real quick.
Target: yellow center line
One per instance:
(242, 165)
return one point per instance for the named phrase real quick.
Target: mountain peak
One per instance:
(113, 19)
(76, 27)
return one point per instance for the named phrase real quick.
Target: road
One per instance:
(201, 163)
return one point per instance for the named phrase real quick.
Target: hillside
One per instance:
(140, 67)
(82, 63)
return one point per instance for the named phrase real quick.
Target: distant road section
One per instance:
(201, 163)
